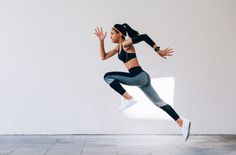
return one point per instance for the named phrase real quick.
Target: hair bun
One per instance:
(125, 25)
(123, 28)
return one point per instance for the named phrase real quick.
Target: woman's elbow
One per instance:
(103, 58)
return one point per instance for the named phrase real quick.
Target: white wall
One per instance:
(51, 75)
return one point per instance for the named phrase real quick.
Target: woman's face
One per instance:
(115, 36)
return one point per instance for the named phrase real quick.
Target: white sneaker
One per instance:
(126, 104)
(186, 128)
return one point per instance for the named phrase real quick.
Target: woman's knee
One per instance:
(107, 78)
(105, 75)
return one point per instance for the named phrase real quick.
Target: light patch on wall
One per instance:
(144, 108)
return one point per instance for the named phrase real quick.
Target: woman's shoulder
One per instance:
(129, 49)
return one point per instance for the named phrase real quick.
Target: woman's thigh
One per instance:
(126, 78)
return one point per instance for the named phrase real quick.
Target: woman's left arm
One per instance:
(150, 42)
(166, 52)
(139, 38)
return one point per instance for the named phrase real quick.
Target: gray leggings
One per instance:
(140, 78)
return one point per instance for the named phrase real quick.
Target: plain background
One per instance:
(51, 75)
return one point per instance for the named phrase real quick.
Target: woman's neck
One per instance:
(121, 41)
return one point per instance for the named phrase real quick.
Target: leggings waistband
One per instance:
(135, 70)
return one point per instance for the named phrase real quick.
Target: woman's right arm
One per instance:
(101, 36)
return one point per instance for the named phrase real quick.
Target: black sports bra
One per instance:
(125, 56)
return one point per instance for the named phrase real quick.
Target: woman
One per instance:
(136, 76)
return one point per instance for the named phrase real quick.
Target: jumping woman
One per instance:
(136, 75)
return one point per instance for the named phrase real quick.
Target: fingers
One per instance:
(169, 49)
(98, 30)
(166, 52)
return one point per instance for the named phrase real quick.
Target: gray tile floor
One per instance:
(117, 145)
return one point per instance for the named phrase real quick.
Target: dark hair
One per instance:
(131, 32)
(125, 28)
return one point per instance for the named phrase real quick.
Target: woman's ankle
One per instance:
(179, 121)
(127, 96)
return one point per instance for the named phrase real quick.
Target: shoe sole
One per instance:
(188, 131)
(128, 106)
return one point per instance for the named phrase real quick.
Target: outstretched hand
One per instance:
(166, 52)
(99, 33)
